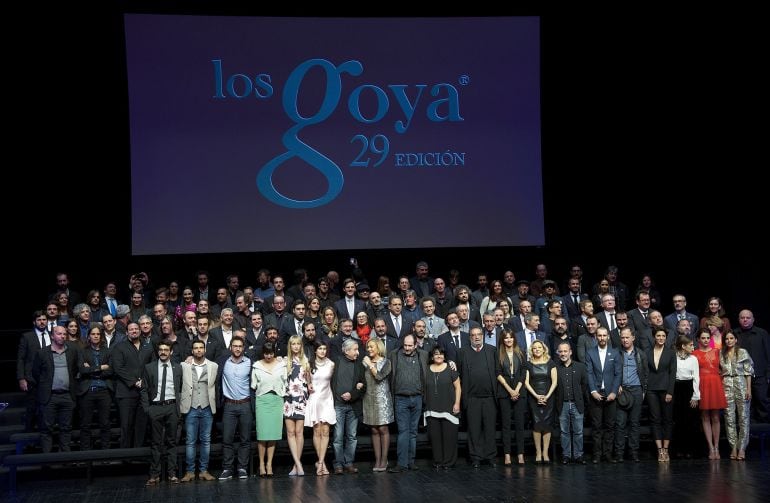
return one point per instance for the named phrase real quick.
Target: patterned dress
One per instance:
(295, 400)
(735, 371)
(378, 401)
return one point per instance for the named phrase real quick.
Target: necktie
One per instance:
(457, 341)
(430, 322)
(681, 317)
(644, 314)
(612, 322)
(398, 326)
(51, 324)
(299, 327)
(576, 300)
(531, 337)
(113, 307)
(163, 383)
(43, 341)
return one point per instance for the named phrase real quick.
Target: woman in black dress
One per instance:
(540, 381)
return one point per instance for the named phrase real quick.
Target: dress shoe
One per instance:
(413, 467)
(188, 477)
(172, 479)
(152, 481)
(397, 469)
(206, 476)
(580, 460)
(350, 469)
(565, 461)
(635, 457)
(338, 470)
(476, 464)
(597, 460)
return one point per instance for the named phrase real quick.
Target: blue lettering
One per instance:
(263, 82)
(399, 91)
(218, 79)
(452, 101)
(354, 104)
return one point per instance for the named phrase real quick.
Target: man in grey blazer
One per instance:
(199, 403)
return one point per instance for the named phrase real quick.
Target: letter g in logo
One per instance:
(295, 146)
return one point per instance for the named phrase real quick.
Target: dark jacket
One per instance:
(511, 378)
(151, 379)
(579, 385)
(664, 377)
(43, 370)
(339, 388)
(641, 367)
(90, 372)
(422, 359)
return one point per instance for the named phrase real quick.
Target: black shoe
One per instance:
(413, 467)
(565, 461)
(580, 461)
(597, 460)
(397, 469)
(492, 463)
(476, 464)
(635, 458)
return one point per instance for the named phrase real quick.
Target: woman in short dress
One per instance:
(378, 401)
(712, 393)
(737, 370)
(540, 381)
(299, 387)
(319, 412)
(268, 379)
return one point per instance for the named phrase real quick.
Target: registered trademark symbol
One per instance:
(464, 80)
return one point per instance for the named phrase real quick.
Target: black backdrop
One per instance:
(645, 164)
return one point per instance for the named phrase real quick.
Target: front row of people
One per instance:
(307, 389)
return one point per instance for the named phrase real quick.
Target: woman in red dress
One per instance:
(712, 394)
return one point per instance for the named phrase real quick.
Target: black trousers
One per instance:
(443, 441)
(133, 422)
(481, 414)
(603, 418)
(515, 410)
(98, 401)
(163, 424)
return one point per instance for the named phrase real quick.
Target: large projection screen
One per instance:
(270, 134)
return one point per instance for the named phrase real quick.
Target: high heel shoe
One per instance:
(324, 470)
(507, 461)
(733, 454)
(318, 469)
(662, 457)
(741, 455)
(520, 461)
(665, 455)
(716, 453)
(269, 471)
(262, 472)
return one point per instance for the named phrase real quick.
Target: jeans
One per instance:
(571, 444)
(630, 419)
(408, 413)
(197, 426)
(345, 439)
(236, 417)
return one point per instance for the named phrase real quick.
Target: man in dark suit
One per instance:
(531, 333)
(680, 313)
(603, 364)
(128, 360)
(639, 317)
(160, 401)
(571, 300)
(397, 324)
(455, 339)
(30, 344)
(421, 283)
(381, 332)
(53, 371)
(349, 305)
(293, 325)
(477, 367)
(572, 386)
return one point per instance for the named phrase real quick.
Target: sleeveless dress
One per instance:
(540, 380)
(295, 400)
(320, 405)
(712, 393)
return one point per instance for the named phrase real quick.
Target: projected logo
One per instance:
(444, 107)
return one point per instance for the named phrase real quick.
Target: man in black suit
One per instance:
(30, 344)
(349, 305)
(455, 339)
(397, 324)
(478, 374)
(381, 332)
(160, 401)
(53, 371)
(421, 283)
(572, 298)
(128, 360)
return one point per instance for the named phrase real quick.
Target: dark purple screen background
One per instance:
(195, 159)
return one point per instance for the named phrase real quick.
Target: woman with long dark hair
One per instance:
(510, 378)
(737, 371)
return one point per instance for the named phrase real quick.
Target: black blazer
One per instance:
(511, 378)
(29, 346)
(43, 369)
(663, 377)
(90, 372)
(128, 364)
(150, 378)
(447, 342)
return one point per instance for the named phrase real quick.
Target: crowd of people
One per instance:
(344, 359)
